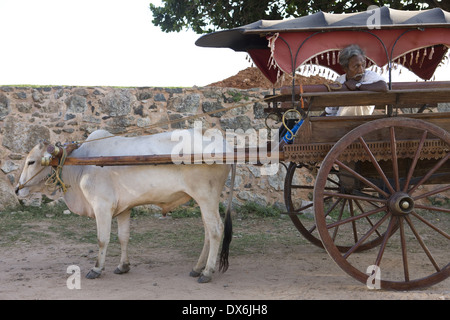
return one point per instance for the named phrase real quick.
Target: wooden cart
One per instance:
(368, 188)
(376, 182)
(373, 183)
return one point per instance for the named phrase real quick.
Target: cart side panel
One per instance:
(317, 135)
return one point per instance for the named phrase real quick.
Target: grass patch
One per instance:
(255, 228)
(42, 224)
(253, 209)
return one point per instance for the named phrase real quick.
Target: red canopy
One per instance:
(421, 51)
(417, 40)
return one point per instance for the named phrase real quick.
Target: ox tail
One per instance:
(228, 228)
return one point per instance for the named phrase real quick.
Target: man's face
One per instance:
(356, 68)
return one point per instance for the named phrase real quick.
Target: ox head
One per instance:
(34, 175)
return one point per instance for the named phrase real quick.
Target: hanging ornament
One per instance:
(423, 57)
(431, 53)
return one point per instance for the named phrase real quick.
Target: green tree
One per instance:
(205, 16)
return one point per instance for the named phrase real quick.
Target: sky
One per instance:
(102, 43)
(107, 43)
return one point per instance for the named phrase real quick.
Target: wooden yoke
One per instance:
(56, 153)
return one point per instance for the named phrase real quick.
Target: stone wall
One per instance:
(29, 114)
(63, 114)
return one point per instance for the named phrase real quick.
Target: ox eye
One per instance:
(30, 163)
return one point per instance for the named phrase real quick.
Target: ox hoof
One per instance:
(204, 279)
(121, 270)
(195, 274)
(93, 274)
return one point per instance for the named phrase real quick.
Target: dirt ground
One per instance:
(267, 269)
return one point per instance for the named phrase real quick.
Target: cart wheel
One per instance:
(298, 191)
(397, 202)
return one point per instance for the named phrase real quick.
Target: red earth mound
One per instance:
(253, 78)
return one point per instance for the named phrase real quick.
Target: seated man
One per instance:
(356, 77)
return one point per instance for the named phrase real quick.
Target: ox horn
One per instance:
(44, 143)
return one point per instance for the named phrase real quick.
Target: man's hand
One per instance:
(351, 84)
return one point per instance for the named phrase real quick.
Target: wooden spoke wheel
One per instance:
(392, 193)
(298, 193)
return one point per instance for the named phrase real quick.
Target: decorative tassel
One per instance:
(431, 53)
(271, 63)
(423, 57)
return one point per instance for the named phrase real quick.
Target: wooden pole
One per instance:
(227, 158)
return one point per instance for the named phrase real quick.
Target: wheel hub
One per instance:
(400, 203)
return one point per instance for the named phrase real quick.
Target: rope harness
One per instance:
(54, 179)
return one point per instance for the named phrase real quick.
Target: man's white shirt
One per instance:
(368, 78)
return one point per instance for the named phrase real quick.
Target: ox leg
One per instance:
(201, 263)
(213, 234)
(123, 223)
(103, 220)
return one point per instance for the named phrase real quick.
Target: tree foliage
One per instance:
(205, 16)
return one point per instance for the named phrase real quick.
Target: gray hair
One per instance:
(348, 52)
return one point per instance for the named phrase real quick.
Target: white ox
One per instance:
(107, 192)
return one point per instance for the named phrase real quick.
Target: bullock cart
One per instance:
(373, 183)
